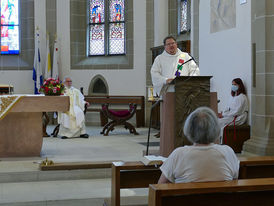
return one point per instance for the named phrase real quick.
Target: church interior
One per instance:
(107, 49)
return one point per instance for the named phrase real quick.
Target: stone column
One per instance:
(149, 44)
(262, 99)
(194, 34)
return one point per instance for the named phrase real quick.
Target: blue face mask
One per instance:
(234, 88)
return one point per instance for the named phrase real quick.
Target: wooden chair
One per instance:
(123, 100)
(120, 117)
(236, 136)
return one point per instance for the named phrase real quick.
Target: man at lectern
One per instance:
(170, 64)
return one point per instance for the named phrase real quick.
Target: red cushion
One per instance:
(121, 113)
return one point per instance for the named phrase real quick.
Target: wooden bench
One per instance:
(137, 175)
(251, 192)
(118, 100)
(242, 134)
(131, 175)
(6, 89)
(256, 167)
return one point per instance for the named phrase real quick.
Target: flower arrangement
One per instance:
(52, 87)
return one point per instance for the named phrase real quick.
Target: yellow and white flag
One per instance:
(55, 66)
(48, 61)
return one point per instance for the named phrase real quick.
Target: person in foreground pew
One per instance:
(168, 65)
(204, 160)
(237, 108)
(72, 123)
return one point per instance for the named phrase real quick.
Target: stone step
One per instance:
(36, 176)
(26, 171)
(72, 192)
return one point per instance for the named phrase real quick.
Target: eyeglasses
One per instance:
(171, 44)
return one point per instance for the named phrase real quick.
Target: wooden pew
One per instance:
(118, 100)
(248, 192)
(256, 167)
(137, 175)
(131, 175)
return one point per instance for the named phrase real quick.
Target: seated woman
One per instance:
(204, 160)
(237, 108)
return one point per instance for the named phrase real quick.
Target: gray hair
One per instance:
(202, 126)
(66, 77)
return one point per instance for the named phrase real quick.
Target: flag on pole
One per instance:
(37, 72)
(55, 65)
(48, 61)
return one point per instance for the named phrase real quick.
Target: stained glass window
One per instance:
(97, 11)
(184, 16)
(116, 38)
(106, 27)
(116, 10)
(97, 40)
(9, 26)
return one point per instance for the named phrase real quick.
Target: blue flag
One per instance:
(37, 71)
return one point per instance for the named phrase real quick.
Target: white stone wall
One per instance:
(120, 82)
(160, 21)
(226, 55)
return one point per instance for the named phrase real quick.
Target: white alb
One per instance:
(237, 107)
(165, 67)
(72, 123)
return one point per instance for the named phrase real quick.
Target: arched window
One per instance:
(9, 26)
(106, 27)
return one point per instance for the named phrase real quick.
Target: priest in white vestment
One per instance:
(171, 63)
(72, 123)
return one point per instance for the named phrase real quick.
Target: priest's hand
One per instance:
(220, 115)
(169, 80)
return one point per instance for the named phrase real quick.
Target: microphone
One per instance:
(192, 58)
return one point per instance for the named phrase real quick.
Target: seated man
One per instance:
(72, 123)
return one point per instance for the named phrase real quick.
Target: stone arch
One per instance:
(98, 86)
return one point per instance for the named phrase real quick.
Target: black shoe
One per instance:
(84, 135)
(64, 137)
(157, 135)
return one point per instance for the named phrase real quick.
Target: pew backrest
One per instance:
(256, 167)
(251, 192)
(138, 175)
